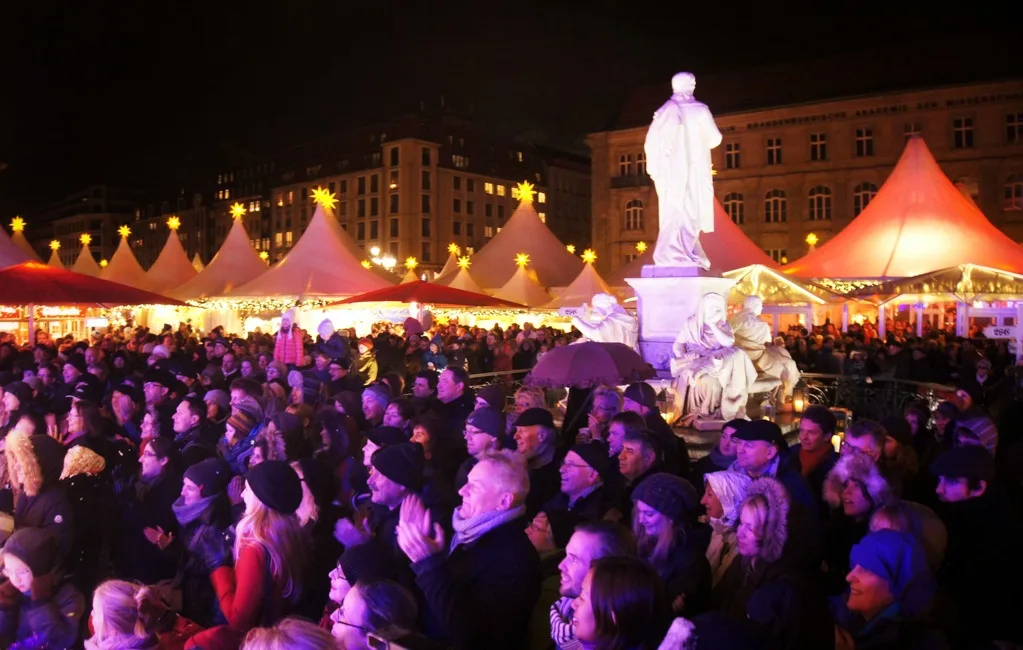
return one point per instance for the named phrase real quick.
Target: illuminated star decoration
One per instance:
(454, 248)
(464, 262)
(17, 224)
(174, 223)
(238, 211)
(86, 239)
(366, 264)
(263, 255)
(521, 260)
(812, 239)
(54, 245)
(589, 256)
(641, 246)
(411, 263)
(523, 192)
(124, 231)
(103, 263)
(570, 248)
(325, 198)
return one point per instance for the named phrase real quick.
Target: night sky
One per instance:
(155, 94)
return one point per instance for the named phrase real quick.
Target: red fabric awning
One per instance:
(35, 283)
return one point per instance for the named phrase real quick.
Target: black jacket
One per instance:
(141, 508)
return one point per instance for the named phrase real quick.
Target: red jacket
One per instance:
(288, 347)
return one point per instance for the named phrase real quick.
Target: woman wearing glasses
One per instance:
(371, 606)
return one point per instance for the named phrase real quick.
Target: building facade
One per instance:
(784, 173)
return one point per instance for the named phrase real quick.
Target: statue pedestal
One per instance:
(666, 297)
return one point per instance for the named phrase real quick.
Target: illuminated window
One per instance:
(220, 179)
(488, 188)
(864, 142)
(625, 164)
(541, 197)
(779, 255)
(634, 215)
(227, 194)
(1013, 193)
(488, 231)
(820, 203)
(641, 164)
(962, 132)
(278, 238)
(863, 194)
(818, 146)
(735, 208)
(911, 129)
(1014, 128)
(152, 225)
(500, 190)
(775, 207)
(460, 162)
(220, 194)
(543, 216)
(732, 155)
(774, 151)
(291, 197)
(518, 156)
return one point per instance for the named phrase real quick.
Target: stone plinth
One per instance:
(666, 297)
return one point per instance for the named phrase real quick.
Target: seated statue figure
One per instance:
(713, 374)
(754, 337)
(607, 322)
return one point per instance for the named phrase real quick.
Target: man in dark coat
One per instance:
(641, 398)
(479, 589)
(814, 456)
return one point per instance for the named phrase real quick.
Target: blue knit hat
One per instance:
(898, 559)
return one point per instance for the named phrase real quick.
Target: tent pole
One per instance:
(881, 325)
(845, 317)
(919, 309)
(31, 325)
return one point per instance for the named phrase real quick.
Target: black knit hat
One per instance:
(211, 475)
(668, 494)
(368, 562)
(643, 393)
(159, 376)
(322, 483)
(898, 428)
(384, 436)
(276, 485)
(36, 547)
(969, 462)
(535, 416)
(595, 454)
(22, 391)
(492, 395)
(488, 420)
(402, 463)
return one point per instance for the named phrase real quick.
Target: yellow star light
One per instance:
(54, 245)
(124, 231)
(17, 224)
(174, 223)
(325, 198)
(812, 239)
(521, 260)
(464, 262)
(263, 255)
(104, 263)
(411, 263)
(641, 246)
(238, 211)
(589, 256)
(570, 248)
(523, 192)
(454, 248)
(86, 239)
(366, 264)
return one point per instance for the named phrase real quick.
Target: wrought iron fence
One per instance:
(870, 397)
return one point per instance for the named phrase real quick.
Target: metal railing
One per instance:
(871, 397)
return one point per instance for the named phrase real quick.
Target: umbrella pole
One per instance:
(31, 325)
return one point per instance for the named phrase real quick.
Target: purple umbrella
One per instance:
(589, 364)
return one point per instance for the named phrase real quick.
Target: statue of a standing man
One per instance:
(678, 148)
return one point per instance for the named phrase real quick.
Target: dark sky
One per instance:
(146, 93)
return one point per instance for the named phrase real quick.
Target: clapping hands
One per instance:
(416, 537)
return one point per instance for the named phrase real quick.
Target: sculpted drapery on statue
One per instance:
(607, 322)
(754, 337)
(678, 146)
(714, 376)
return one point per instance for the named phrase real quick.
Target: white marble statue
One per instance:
(677, 149)
(606, 321)
(754, 337)
(713, 374)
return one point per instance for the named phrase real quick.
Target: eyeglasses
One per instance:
(338, 616)
(565, 463)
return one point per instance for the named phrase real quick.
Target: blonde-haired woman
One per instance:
(289, 634)
(123, 616)
(269, 557)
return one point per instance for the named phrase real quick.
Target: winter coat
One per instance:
(686, 571)
(200, 545)
(675, 450)
(544, 484)
(816, 476)
(42, 503)
(50, 623)
(481, 595)
(91, 496)
(366, 365)
(141, 507)
(237, 457)
(887, 631)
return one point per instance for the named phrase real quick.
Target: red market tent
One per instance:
(428, 293)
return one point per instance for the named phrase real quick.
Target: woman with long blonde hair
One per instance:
(269, 556)
(124, 615)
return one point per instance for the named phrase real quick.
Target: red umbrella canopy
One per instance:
(430, 293)
(589, 364)
(35, 283)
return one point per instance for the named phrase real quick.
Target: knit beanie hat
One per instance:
(384, 436)
(276, 485)
(403, 464)
(969, 462)
(668, 494)
(492, 395)
(218, 397)
(242, 422)
(595, 454)
(368, 562)
(379, 392)
(320, 480)
(898, 559)
(36, 547)
(22, 391)
(487, 420)
(897, 427)
(643, 393)
(211, 475)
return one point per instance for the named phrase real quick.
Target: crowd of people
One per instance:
(288, 490)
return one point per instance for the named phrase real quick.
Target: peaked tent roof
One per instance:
(728, 248)
(524, 289)
(320, 264)
(86, 263)
(582, 289)
(172, 268)
(463, 280)
(124, 268)
(10, 253)
(449, 270)
(54, 260)
(197, 263)
(494, 264)
(19, 240)
(775, 288)
(410, 276)
(235, 264)
(918, 222)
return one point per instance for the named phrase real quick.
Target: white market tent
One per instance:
(463, 280)
(10, 253)
(54, 260)
(197, 263)
(235, 264)
(123, 266)
(171, 268)
(522, 287)
(18, 237)
(86, 263)
(583, 288)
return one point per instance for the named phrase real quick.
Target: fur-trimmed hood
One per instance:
(864, 471)
(776, 527)
(38, 460)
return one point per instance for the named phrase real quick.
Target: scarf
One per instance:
(721, 549)
(809, 460)
(123, 642)
(469, 530)
(720, 460)
(188, 514)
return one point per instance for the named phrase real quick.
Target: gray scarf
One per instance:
(188, 514)
(469, 530)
